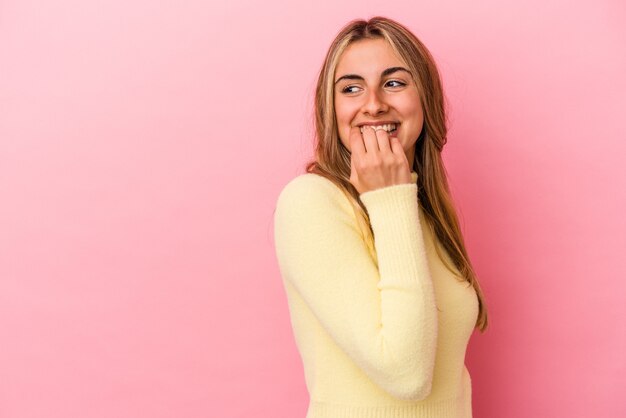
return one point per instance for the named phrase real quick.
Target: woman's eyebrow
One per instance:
(386, 72)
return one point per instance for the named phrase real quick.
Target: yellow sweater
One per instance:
(376, 340)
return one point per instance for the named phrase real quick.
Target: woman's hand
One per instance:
(377, 160)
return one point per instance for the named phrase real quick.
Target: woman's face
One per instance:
(367, 89)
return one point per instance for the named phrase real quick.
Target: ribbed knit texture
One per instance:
(376, 341)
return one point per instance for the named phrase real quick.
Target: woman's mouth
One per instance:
(391, 129)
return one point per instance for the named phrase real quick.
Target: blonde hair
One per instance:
(332, 159)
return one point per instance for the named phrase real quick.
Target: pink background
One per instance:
(143, 145)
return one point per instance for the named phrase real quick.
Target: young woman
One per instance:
(381, 292)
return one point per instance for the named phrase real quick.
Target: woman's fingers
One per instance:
(383, 141)
(370, 139)
(356, 141)
(377, 160)
(377, 140)
(396, 146)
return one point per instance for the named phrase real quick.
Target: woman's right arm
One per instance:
(384, 318)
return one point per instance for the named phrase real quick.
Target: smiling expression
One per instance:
(373, 85)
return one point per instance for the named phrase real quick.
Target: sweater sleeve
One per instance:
(384, 318)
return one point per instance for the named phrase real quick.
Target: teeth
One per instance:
(388, 127)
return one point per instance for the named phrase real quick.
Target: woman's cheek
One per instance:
(345, 139)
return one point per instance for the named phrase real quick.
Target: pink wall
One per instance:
(142, 148)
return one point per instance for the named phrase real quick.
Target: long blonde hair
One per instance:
(332, 159)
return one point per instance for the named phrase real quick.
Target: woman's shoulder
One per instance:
(312, 191)
(310, 183)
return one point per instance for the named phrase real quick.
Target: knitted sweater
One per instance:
(379, 337)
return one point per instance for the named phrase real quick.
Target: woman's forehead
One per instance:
(368, 58)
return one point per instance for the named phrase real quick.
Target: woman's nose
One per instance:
(374, 103)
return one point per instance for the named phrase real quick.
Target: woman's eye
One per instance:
(346, 90)
(399, 82)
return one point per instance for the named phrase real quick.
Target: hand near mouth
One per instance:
(377, 160)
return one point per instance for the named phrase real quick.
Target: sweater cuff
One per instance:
(394, 216)
(399, 199)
